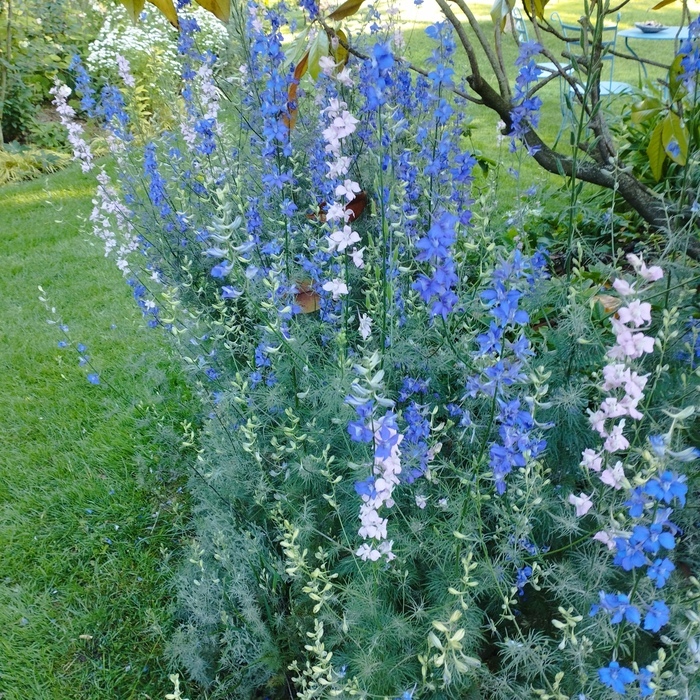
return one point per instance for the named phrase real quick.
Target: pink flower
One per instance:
(605, 538)
(634, 386)
(615, 376)
(636, 312)
(611, 408)
(616, 440)
(614, 477)
(597, 421)
(650, 274)
(583, 503)
(591, 460)
(624, 288)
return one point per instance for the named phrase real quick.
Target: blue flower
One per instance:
(93, 378)
(667, 487)
(359, 432)
(628, 556)
(645, 678)
(657, 617)
(230, 293)
(616, 677)
(651, 538)
(619, 607)
(62, 344)
(659, 571)
(383, 57)
(222, 269)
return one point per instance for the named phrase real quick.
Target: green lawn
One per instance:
(91, 505)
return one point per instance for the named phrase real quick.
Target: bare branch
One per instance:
(497, 66)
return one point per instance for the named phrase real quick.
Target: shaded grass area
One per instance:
(91, 504)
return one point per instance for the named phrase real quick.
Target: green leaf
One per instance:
(500, 10)
(675, 79)
(646, 109)
(656, 152)
(318, 48)
(168, 10)
(219, 8)
(347, 9)
(297, 49)
(673, 132)
(134, 8)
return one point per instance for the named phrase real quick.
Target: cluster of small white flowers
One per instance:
(81, 149)
(109, 217)
(386, 470)
(631, 344)
(342, 124)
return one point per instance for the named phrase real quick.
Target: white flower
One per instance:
(336, 287)
(337, 211)
(365, 326)
(421, 502)
(637, 313)
(357, 257)
(327, 65)
(339, 168)
(340, 240)
(348, 190)
(345, 78)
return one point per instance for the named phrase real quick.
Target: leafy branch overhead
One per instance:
(219, 8)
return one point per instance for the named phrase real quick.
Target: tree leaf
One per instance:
(656, 152)
(674, 136)
(663, 3)
(356, 206)
(219, 8)
(306, 298)
(341, 54)
(290, 119)
(347, 9)
(500, 10)
(319, 47)
(536, 7)
(168, 10)
(646, 109)
(134, 8)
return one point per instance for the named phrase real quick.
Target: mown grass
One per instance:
(91, 504)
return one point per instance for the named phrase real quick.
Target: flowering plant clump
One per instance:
(150, 51)
(430, 465)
